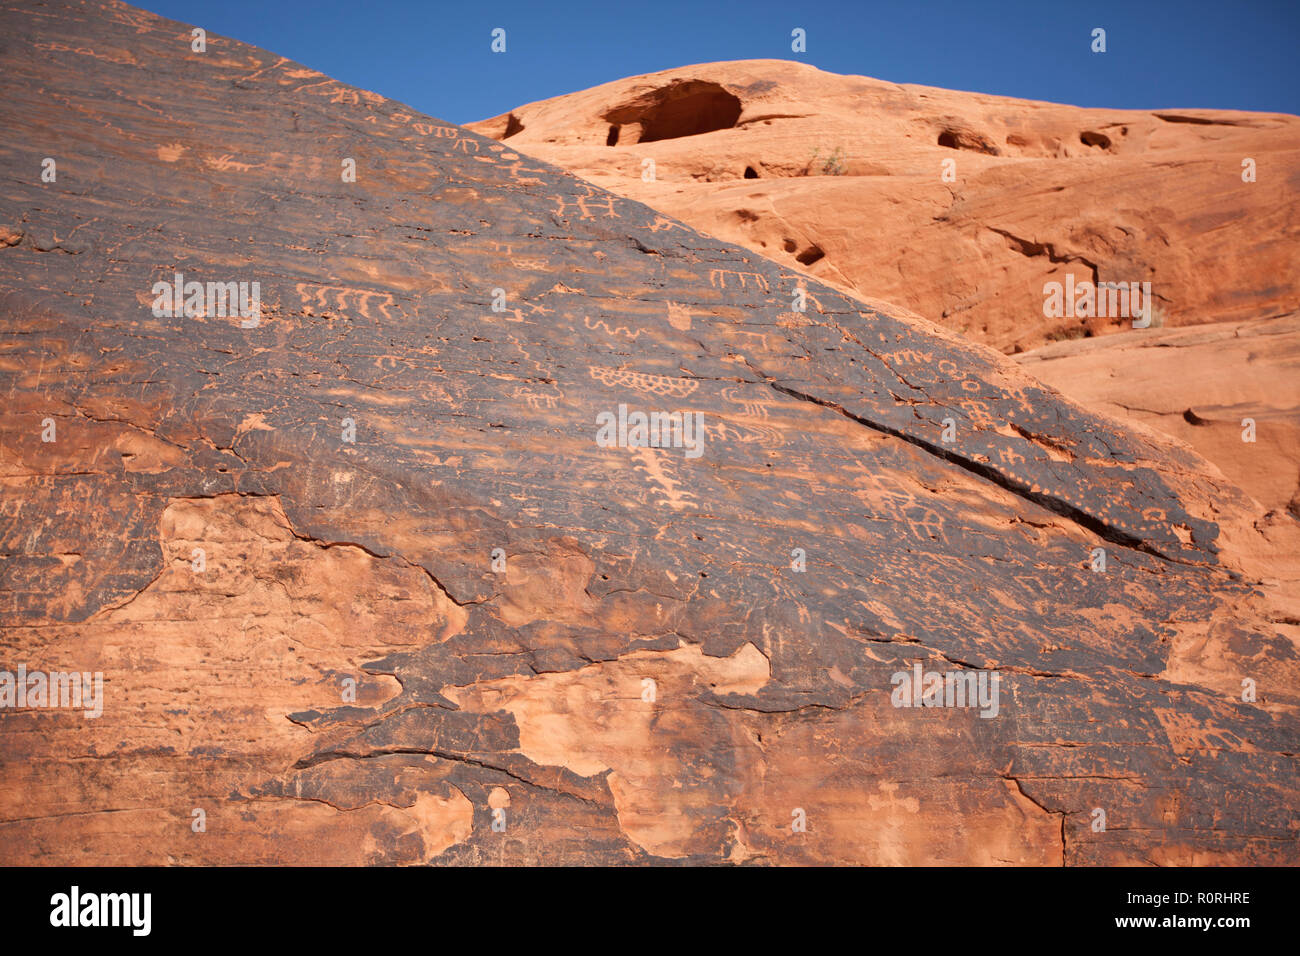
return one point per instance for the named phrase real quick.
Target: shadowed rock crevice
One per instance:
(688, 108)
(1064, 508)
(1095, 138)
(964, 138)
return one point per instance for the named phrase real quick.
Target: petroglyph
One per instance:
(395, 483)
(122, 58)
(228, 161)
(905, 357)
(516, 170)
(978, 414)
(586, 205)
(725, 432)
(345, 300)
(889, 498)
(747, 397)
(755, 342)
(1009, 456)
(660, 469)
(620, 331)
(660, 224)
(679, 316)
(539, 400)
(718, 278)
(661, 385)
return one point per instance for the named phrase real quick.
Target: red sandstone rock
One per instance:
(364, 587)
(1207, 385)
(848, 186)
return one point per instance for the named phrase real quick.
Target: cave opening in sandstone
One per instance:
(612, 138)
(750, 173)
(513, 126)
(1090, 138)
(958, 138)
(682, 109)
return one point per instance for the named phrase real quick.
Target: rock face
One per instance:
(843, 177)
(367, 583)
(1206, 385)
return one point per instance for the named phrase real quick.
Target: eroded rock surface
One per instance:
(965, 207)
(1231, 390)
(364, 587)
(959, 206)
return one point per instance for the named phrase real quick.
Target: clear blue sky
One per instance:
(435, 55)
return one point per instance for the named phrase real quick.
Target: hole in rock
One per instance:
(749, 173)
(612, 138)
(809, 256)
(512, 126)
(1199, 120)
(1090, 138)
(677, 110)
(967, 139)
